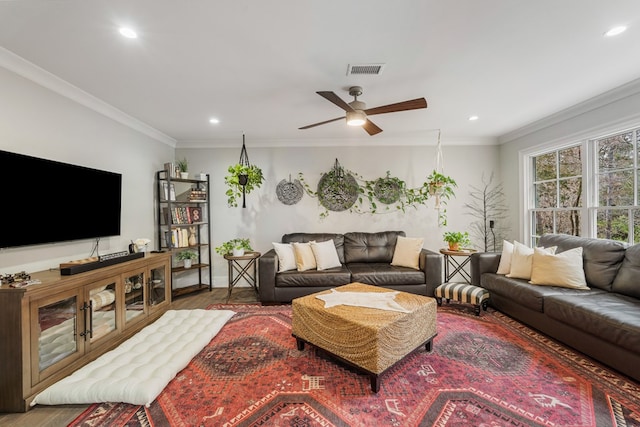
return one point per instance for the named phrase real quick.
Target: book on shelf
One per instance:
(168, 191)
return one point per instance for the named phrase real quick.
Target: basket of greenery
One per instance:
(456, 239)
(235, 247)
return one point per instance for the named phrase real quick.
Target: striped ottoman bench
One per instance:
(463, 292)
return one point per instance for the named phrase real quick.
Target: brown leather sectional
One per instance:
(602, 322)
(365, 258)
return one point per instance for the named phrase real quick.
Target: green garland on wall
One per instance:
(342, 190)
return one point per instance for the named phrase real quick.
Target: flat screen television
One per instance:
(45, 201)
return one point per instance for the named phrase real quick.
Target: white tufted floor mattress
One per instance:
(140, 368)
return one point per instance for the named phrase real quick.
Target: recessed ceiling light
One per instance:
(473, 118)
(615, 31)
(128, 33)
(214, 121)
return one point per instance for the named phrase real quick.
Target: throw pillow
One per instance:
(407, 252)
(286, 257)
(505, 260)
(304, 256)
(325, 254)
(564, 269)
(521, 260)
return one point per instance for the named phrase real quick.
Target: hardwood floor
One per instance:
(62, 415)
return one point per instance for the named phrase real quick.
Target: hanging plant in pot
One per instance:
(242, 178)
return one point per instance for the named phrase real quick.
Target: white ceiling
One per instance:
(256, 65)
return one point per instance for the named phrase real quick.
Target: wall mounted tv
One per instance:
(45, 201)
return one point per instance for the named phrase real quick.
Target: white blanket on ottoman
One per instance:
(140, 368)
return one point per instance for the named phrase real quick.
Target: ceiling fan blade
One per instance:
(413, 104)
(321, 123)
(332, 97)
(371, 127)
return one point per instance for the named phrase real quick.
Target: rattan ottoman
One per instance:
(369, 339)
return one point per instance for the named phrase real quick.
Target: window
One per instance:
(561, 202)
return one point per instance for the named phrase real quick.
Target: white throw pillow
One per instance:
(286, 257)
(564, 269)
(522, 259)
(304, 256)
(407, 252)
(325, 254)
(505, 260)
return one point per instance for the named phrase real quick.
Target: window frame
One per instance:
(590, 174)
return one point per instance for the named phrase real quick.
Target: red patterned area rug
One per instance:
(483, 371)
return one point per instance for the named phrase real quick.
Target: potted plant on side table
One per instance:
(235, 247)
(187, 257)
(456, 240)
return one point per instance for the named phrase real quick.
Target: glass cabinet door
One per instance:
(100, 305)
(54, 337)
(134, 290)
(158, 285)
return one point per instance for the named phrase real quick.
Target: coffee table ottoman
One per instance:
(369, 339)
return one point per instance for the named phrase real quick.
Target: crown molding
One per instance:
(624, 91)
(32, 72)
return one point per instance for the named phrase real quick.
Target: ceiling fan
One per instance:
(357, 111)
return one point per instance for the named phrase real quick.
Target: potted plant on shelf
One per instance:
(235, 247)
(456, 239)
(241, 179)
(183, 168)
(187, 257)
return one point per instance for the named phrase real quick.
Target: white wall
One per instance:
(38, 122)
(266, 219)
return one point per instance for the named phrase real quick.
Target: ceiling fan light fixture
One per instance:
(356, 118)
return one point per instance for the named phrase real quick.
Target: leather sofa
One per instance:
(364, 258)
(602, 322)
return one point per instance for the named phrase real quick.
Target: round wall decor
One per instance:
(289, 192)
(387, 190)
(337, 192)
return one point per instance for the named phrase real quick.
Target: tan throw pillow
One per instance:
(286, 257)
(564, 269)
(522, 259)
(505, 260)
(407, 252)
(325, 254)
(304, 256)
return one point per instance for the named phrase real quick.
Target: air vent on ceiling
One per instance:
(364, 69)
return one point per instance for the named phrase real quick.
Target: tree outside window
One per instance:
(559, 204)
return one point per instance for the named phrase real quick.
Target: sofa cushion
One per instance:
(627, 280)
(407, 252)
(601, 257)
(504, 267)
(338, 240)
(563, 269)
(314, 278)
(522, 260)
(384, 274)
(370, 247)
(286, 257)
(304, 256)
(609, 316)
(325, 254)
(526, 294)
